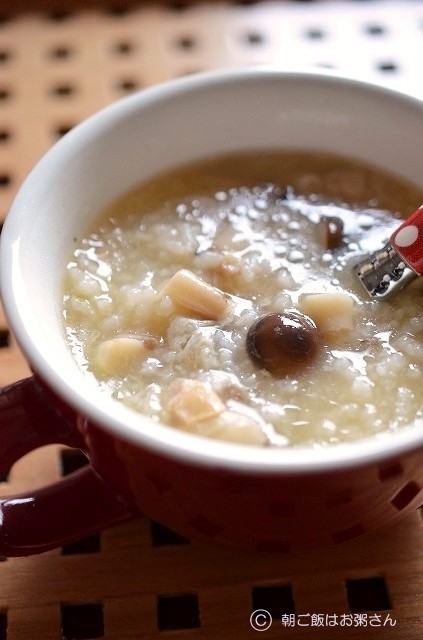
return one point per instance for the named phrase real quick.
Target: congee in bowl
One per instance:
(218, 298)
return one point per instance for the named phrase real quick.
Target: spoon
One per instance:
(388, 270)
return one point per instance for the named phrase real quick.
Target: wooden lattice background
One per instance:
(60, 62)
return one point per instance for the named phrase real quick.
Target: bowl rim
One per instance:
(121, 422)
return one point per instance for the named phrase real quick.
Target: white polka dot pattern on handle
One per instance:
(407, 236)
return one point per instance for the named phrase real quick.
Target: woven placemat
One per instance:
(60, 62)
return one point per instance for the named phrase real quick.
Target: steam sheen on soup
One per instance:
(219, 299)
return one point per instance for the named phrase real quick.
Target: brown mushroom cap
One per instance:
(283, 343)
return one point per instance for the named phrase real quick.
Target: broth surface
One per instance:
(254, 228)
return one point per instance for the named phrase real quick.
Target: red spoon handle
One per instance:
(407, 241)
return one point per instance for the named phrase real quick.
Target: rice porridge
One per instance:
(219, 299)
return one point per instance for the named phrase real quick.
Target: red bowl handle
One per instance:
(75, 507)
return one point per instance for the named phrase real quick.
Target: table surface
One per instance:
(60, 62)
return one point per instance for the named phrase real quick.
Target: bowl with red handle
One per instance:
(267, 499)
